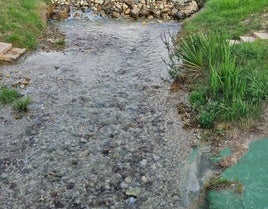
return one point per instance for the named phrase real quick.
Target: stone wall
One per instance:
(149, 9)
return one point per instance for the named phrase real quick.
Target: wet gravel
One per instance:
(102, 130)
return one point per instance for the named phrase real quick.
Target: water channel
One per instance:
(102, 130)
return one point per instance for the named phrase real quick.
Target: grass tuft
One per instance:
(21, 105)
(8, 95)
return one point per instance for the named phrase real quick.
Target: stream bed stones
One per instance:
(102, 130)
(134, 9)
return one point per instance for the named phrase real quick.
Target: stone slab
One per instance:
(12, 54)
(4, 47)
(260, 35)
(247, 38)
(233, 42)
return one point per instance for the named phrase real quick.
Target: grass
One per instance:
(232, 81)
(8, 95)
(231, 87)
(235, 17)
(21, 23)
(21, 105)
(12, 96)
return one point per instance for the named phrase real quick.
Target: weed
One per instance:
(8, 95)
(197, 99)
(21, 105)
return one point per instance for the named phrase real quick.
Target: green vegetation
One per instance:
(235, 17)
(230, 82)
(12, 96)
(21, 105)
(21, 23)
(8, 95)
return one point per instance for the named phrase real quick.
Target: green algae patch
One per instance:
(251, 171)
(225, 199)
(226, 152)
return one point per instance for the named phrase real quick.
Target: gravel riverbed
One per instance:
(102, 130)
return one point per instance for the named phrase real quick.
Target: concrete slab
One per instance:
(260, 35)
(4, 47)
(12, 54)
(247, 38)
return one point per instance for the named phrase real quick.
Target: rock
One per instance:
(83, 140)
(191, 8)
(144, 12)
(180, 15)
(135, 191)
(115, 15)
(156, 13)
(126, 8)
(128, 180)
(127, 12)
(144, 162)
(123, 185)
(144, 179)
(134, 13)
(174, 11)
(116, 179)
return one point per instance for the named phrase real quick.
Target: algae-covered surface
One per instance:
(252, 172)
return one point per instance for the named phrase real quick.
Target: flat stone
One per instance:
(260, 35)
(133, 191)
(233, 42)
(247, 38)
(12, 54)
(4, 47)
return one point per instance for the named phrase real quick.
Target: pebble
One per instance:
(128, 180)
(144, 162)
(135, 191)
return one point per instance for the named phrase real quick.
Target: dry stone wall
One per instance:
(149, 9)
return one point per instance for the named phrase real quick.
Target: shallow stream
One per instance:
(102, 130)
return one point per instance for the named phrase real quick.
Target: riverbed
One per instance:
(102, 130)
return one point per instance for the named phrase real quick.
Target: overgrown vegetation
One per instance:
(21, 23)
(12, 96)
(229, 82)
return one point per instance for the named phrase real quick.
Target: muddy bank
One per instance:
(102, 130)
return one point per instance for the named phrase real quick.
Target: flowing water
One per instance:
(102, 130)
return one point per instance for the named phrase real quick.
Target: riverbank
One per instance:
(22, 22)
(231, 139)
